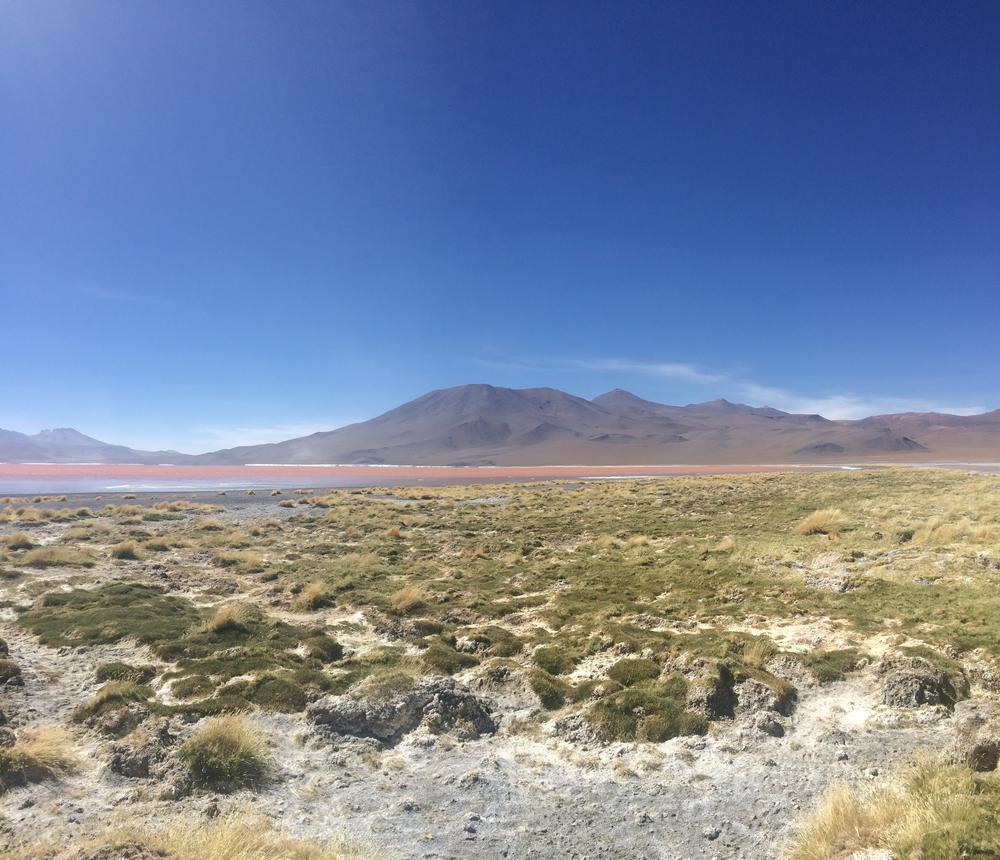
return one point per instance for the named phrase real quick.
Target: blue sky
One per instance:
(233, 222)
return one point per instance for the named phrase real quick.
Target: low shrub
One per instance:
(552, 692)
(192, 687)
(315, 595)
(226, 753)
(38, 754)
(555, 659)
(112, 694)
(124, 672)
(127, 550)
(408, 599)
(648, 711)
(441, 657)
(632, 670)
(828, 521)
(323, 648)
(56, 556)
(18, 540)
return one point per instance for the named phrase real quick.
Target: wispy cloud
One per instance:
(842, 405)
(215, 437)
(664, 369)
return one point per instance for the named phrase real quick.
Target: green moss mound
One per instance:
(647, 711)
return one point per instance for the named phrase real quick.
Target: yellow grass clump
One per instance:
(209, 524)
(18, 540)
(126, 550)
(929, 810)
(231, 616)
(226, 753)
(828, 521)
(315, 595)
(56, 556)
(241, 559)
(42, 753)
(408, 599)
(239, 835)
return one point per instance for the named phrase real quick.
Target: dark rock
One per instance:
(910, 682)
(7, 737)
(438, 703)
(977, 735)
(765, 723)
(138, 755)
(711, 695)
(753, 696)
(118, 722)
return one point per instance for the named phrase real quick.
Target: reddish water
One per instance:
(53, 478)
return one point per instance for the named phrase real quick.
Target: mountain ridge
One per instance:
(482, 424)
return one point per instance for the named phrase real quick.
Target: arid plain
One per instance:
(737, 665)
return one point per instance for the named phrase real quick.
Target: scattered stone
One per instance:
(766, 723)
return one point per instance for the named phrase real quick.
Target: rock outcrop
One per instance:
(439, 704)
(911, 682)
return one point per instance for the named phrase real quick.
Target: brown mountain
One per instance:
(66, 445)
(485, 424)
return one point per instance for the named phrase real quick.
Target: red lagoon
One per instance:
(82, 477)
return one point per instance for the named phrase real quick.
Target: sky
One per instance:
(234, 222)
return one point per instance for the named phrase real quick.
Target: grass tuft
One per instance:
(226, 753)
(39, 754)
(828, 521)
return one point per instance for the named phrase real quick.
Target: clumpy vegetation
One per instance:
(112, 694)
(57, 556)
(237, 836)
(930, 810)
(108, 614)
(44, 753)
(580, 614)
(647, 711)
(225, 754)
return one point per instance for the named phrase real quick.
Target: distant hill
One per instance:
(489, 425)
(485, 424)
(65, 445)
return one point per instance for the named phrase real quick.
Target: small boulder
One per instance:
(139, 755)
(440, 704)
(711, 694)
(976, 743)
(911, 682)
(753, 696)
(118, 722)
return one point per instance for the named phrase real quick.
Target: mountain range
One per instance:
(490, 425)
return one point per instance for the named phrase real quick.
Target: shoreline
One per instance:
(35, 478)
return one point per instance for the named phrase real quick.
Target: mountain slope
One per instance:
(486, 424)
(65, 445)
